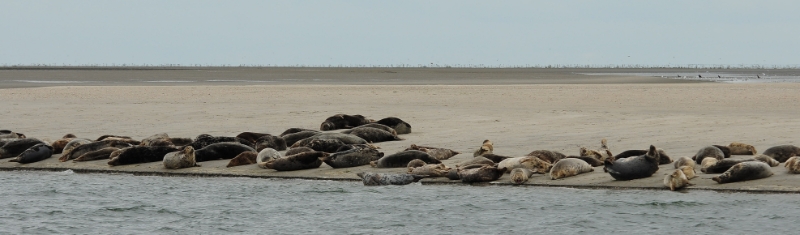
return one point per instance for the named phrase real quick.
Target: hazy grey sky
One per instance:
(399, 32)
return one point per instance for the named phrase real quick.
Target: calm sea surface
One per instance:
(70, 203)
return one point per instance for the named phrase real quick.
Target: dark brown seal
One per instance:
(402, 159)
(139, 154)
(782, 153)
(244, 158)
(300, 161)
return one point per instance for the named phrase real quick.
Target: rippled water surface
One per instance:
(69, 203)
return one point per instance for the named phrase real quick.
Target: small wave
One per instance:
(169, 81)
(67, 172)
(48, 81)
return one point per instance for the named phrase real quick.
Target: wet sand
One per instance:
(560, 111)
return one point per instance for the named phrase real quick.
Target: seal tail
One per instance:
(16, 159)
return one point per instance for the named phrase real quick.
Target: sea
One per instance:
(40, 202)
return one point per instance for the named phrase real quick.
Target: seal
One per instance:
(295, 130)
(601, 154)
(793, 165)
(688, 171)
(270, 141)
(430, 170)
(676, 180)
(708, 151)
(343, 121)
(742, 149)
(726, 152)
(782, 153)
(401, 159)
(161, 138)
(593, 161)
(663, 157)
(744, 171)
(7, 134)
(438, 153)
(708, 162)
(103, 153)
(416, 163)
(487, 147)
(520, 175)
(266, 155)
(377, 179)
(631, 168)
(16, 147)
(536, 165)
(374, 135)
(767, 159)
(292, 138)
(251, 136)
(90, 147)
(547, 155)
(203, 140)
(58, 145)
(183, 158)
(325, 145)
(300, 161)
(358, 155)
(480, 174)
(296, 150)
(495, 158)
(685, 161)
(569, 167)
(244, 158)
(345, 138)
(223, 150)
(477, 160)
(400, 126)
(74, 143)
(373, 125)
(35, 153)
(139, 154)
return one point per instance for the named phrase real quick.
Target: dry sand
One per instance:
(632, 113)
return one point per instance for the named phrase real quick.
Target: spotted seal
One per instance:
(547, 155)
(372, 125)
(631, 168)
(295, 130)
(35, 153)
(744, 171)
(16, 147)
(270, 141)
(430, 170)
(296, 150)
(782, 153)
(767, 159)
(300, 161)
(401, 159)
(374, 135)
(292, 138)
(400, 126)
(103, 153)
(742, 149)
(58, 145)
(480, 174)
(569, 167)
(592, 160)
(663, 157)
(793, 165)
(684, 161)
(244, 158)
(223, 150)
(90, 147)
(601, 154)
(203, 140)
(251, 136)
(520, 175)
(139, 154)
(359, 155)
(183, 158)
(435, 152)
(708, 151)
(377, 179)
(536, 165)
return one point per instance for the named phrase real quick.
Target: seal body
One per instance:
(767, 159)
(722, 165)
(270, 141)
(300, 161)
(401, 159)
(244, 158)
(487, 147)
(183, 158)
(359, 155)
(295, 130)
(345, 138)
(377, 179)
(593, 161)
(103, 153)
(139, 154)
(296, 150)
(416, 163)
(430, 170)
(58, 145)
(343, 121)
(520, 175)
(494, 157)
(292, 138)
(684, 161)
(251, 136)
(374, 135)
(533, 164)
(547, 155)
(325, 145)
(438, 153)
(35, 153)
(708, 151)
(91, 147)
(161, 138)
(480, 174)
(74, 143)
(400, 126)
(203, 140)
(676, 180)
(663, 157)
(601, 154)
(782, 153)
(569, 167)
(742, 149)
(16, 147)
(223, 150)
(744, 171)
(373, 125)
(477, 161)
(793, 165)
(688, 171)
(631, 168)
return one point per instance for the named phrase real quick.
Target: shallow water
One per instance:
(69, 203)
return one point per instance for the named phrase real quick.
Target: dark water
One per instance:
(69, 203)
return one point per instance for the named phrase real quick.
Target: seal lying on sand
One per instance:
(430, 170)
(244, 158)
(91, 147)
(569, 167)
(549, 156)
(34, 154)
(533, 164)
(58, 145)
(139, 154)
(487, 147)
(373, 125)
(343, 121)
(720, 166)
(793, 164)
(183, 158)
(520, 175)
(438, 153)
(203, 140)
(601, 154)
(16, 147)
(676, 180)
(633, 167)
(401, 159)
(684, 161)
(782, 153)
(663, 157)
(400, 126)
(744, 171)
(480, 174)
(742, 149)
(359, 155)
(223, 150)
(708, 151)
(103, 153)
(300, 161)
(270, 141)
(593, 161)
(376, 179)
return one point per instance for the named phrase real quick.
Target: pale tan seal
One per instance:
(569, 167)
(685, 161)
(742, 149)
(430, 170)
(531, 163)
(520, 175)
(793, 165)
(676, 180)
(487, 147)
(601, 154)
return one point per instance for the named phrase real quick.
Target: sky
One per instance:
(394, 33)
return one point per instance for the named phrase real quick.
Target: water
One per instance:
(69, 203)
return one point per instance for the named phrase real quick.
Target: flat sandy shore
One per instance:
(631, 112)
